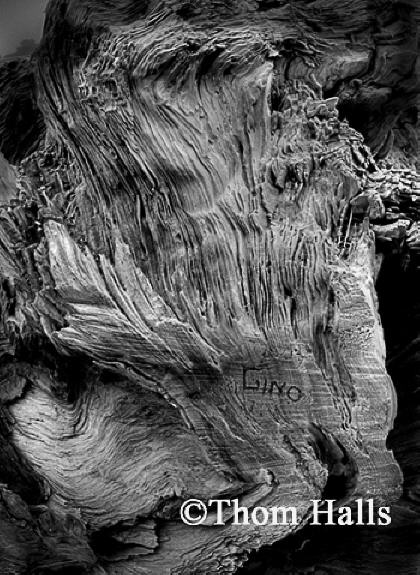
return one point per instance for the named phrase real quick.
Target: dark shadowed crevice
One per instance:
(398, 286)
(268, 4)
(21, 122)
(357, 115)
(342, 469)
(105, 545)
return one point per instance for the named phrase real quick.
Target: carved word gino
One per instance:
(259, 381)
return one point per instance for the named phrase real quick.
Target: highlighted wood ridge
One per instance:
(196, 201)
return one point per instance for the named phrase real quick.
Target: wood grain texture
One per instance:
(205, 198)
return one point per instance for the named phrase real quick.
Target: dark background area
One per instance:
(20, 21)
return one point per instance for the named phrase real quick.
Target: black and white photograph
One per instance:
(209, 287)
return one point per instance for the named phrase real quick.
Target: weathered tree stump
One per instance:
(203, 196)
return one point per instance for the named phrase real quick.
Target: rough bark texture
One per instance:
(204, 196)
